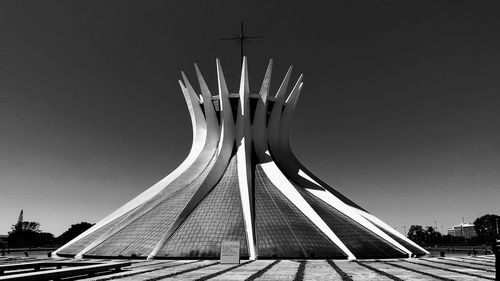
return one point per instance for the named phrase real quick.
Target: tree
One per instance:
(72, 232)
(486, 227)
(432, 236)
(416, 233)
(28, 234)
(27, 226)
(20, 220)
(430, 230)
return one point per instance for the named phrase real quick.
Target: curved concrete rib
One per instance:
(259, 132)
(376, 221)
(282, 152)
(279, 135)
(243, 158)
(287, 112)
(214, 143)
(350, 212)
(186, 177)
(281, 182)
(273, 126)
(210, 114)
(199, 137)
(226, 145)
(287, 160)
(211, 142)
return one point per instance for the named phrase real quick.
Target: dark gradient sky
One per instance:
(400, 109)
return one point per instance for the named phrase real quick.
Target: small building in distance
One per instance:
(463, 230)
(451, 231)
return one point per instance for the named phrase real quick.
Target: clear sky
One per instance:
(400, 110)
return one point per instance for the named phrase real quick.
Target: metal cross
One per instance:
(243, 38)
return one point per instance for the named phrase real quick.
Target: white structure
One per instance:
(451, 231)
(466, 230)
(241, 181)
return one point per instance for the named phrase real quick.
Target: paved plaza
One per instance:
(449, 268)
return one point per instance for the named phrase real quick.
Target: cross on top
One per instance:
(243, 39)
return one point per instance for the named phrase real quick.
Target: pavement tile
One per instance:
(455, 268)
(486, 257)
(193, 275)
(465, 263)
(358, 272)
(243, 272)
(471, 259)
(398, 272)
(426, 269)
(320, 270)
(435, 271)
(150, 264)
(284, 270)
(179, 266)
